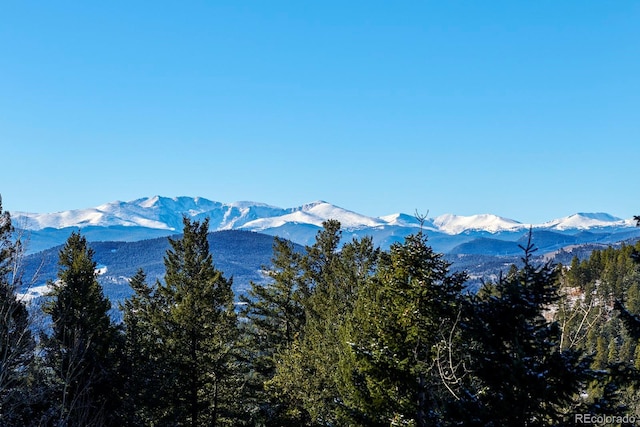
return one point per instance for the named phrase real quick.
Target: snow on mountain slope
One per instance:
(456, 224)
(156, 212)
(240, 213)
(404, 220)
(165, 214)
(298, 217)
(585, 221)
(348, 219)
(83, 218)
(314, 214)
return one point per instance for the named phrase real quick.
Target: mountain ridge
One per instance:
(157, 216)
(471, 241)
(161, 212)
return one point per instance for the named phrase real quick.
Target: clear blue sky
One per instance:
(529, 110)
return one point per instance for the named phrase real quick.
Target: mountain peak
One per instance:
(311, 205)
(147, 202)
(599, 216)
(456, 224)
(403, 220)
(165, 213)
(584, 220)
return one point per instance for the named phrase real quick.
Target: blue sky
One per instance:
(529, 110)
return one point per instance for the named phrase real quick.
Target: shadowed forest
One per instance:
(340, 335)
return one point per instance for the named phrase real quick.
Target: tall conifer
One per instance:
(520, 375)
(142, 367)
(81, 349)
(400, 318)
(307, 374)
(275, 317)
(16, 340)
(197, 327)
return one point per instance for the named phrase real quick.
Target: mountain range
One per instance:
(130, 235)
(158, 216)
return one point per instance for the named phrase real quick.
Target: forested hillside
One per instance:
(338, 335)
(241, 254)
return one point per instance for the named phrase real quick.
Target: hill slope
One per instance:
(238, 254)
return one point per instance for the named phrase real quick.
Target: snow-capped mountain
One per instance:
(157, 216)
(126, 234)
(156, 212)
(586, 221)
(455, 224)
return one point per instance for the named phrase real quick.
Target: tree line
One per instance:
(340, 335)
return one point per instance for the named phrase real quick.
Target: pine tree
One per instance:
(275, 317)
(636, 356)
(16, 340)
(600, 358)
(275, 309)
(197, 328)
(400, 318)
(307, 375)
(631, 320)
(81, 350)
(141, 369)
(519, 374)
(612, 351)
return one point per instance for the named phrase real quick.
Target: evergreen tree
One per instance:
(81, 350)
(519, 374)
(400, 319)
(275, 310)
(307, 376)
(303, 379)
(631, 321)
(141, 369)
(591, 288)
(16, 340)
(197, 327)
(275, 317)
